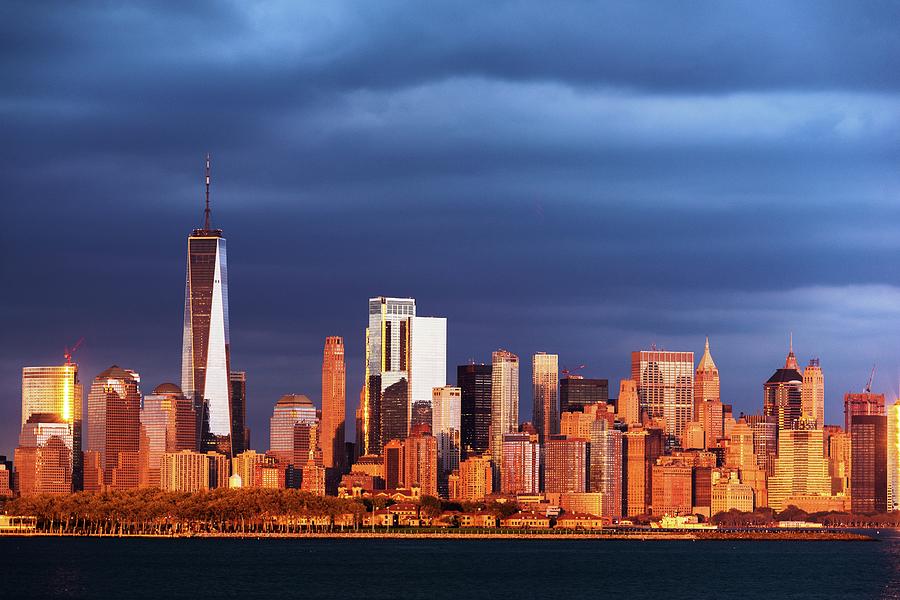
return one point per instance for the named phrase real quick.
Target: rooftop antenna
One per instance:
(206, 212)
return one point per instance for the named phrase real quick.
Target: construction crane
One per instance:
(869, 382)
(566, 371)
(69, 352)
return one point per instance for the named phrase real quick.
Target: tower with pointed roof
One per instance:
(707, 398)
(206, 348)
(782, 393)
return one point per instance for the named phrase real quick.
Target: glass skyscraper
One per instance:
(206, 353)
(665, 382)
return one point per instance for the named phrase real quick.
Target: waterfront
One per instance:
(436, 569)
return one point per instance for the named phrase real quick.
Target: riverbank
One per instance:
(793, 536)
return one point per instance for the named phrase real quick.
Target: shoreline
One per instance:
(750, 536)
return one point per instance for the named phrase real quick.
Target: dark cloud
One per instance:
(581, 178)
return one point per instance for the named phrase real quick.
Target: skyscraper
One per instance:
(206, 349)
(605, 467)
(576, 392)
(114, 426)
(640, 449)
(240, 434)
(474, 382)
(865, 403)
(893, 457)
(334, 381)
(57, 390)
(565, 465)
(868, 471)
(288, 411)
(446, 424)
(665, 382)
(43, 458)
(427, 363)
(545, 386)
(800, 468)
(387, 365)
(629, 403)
(812, 394)
(782, 394)
(520, 472)
(420, 460)
(504, 403)
(168, 424)
(707, 399)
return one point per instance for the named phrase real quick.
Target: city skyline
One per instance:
(639, 185)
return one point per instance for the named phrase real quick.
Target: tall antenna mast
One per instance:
(206, 212)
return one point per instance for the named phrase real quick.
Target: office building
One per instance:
(420, 457)
(57, 390)
(240, 433)
(427, 364)
(520, 470)
(576, 392)
(800, 468)
(812, 393)
(605, 467)
(168, 424)
(628, 404)
(206, 347)
(566, 464)
(43, 458)
(114, 426)
(189, 471)
(862, 404)
(782, 395)
(640, 449)
(665, 382)
(672, 489)
(475, 480)
(868, 471)
(445, 424)
(545, 393)
(504, 402)
(474, 382)
(334, 383)
(290, 410)
(893, 457)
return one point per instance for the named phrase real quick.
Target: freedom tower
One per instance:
(206, 353)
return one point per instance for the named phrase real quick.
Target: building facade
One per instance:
(114, 426)
(812, 394)
(665, 382)
(520, 470)
(545, 393)
(576, 392)
(334, 400)
(474, 382)
(504, 402)
(868, 472)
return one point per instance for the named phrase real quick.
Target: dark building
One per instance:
(239, 432)
(575, 392)
(395, 412)
(701, 486)
(868, 471)
(865, 403)
(474, 382)
(782, 394)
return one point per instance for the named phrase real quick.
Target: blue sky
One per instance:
(580, 178)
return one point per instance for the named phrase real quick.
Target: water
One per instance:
(436, 569)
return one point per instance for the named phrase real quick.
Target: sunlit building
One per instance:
(640, 449)
(731, 494)
(545, 393)
(427, 364)
(243, 465)
(862, 404)
(504, 403)
(387, 365)
(334, 383)
(520, 469)
(665, 382)
(114, 426)
(189, 471)
(629, 403)
(565, 464)
(446, 427)
(672, 489)
(168, 424)
(43, 458)
(605, 467)
(782, 395)
(288, 411)
(812, 394)
(765, 441)
(206, 347)
(893, 457)
(837, 444)
(475, 480)
(420, 458)
(57, 390)
(474, 382)
(801, 468)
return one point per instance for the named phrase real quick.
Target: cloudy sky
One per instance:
(580, 178)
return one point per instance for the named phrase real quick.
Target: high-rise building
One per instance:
(862, 404)
(290, 410)
(474, 382)
(868, 472)
(394, 465)
(605, 467)
(189, 471)
(672, 489)
(640, 449)
(243, 466)
(812, 393)
(420, 458)
(387, 366)
(114, 426)
(57, 390)
(576, 392)
(520, 471)
(168, 424)
(475, 480)
(566, 464)
(706, 378)
(43, 458)
(782, 394)
(765, 441)
(837, 445)
(629, 403)
(240, 434)
(427, 364)
(504, 403)
(893, 457)
(334, 381)
(731, 494)
(545, 386)
(801, 469)
(206, 348)
(665, 383)
(445, 423)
